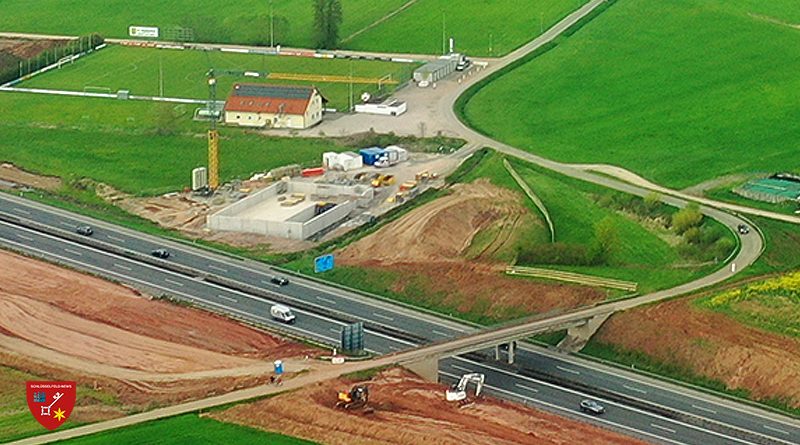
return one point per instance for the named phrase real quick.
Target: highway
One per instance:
(503, 381)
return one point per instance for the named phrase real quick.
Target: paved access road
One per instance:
(428, 328)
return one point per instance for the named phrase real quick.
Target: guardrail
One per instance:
(572, 277)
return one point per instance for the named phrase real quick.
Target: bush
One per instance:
(693, 236)
(686, 218)
(558, 253)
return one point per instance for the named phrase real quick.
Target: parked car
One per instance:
(280, 281)
(743, 229)
(160, 253)
(282, 313)
(592, 407)
(84, 230)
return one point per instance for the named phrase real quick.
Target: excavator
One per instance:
(458, 392)
(357, 397)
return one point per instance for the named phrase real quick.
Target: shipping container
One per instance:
(370, 155)
(317, 171)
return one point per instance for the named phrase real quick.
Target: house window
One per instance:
(238, 116)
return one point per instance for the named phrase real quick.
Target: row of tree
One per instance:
(17, 67)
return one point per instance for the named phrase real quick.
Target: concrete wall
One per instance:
(299, 226)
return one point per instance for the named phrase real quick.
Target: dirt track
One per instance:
(712, 345)
(409, 411)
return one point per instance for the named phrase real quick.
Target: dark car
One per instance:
(743, 229)
(280, 281)
(592, 407)
(160, 253)
(84, 230)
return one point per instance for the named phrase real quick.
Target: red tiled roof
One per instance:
(260, 98)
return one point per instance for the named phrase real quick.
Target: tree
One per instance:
(606, 239)
(327, 18)
(686, 218)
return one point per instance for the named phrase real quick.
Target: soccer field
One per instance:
(680, 92)
(182, 73)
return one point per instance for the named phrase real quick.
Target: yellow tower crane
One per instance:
(213, 134)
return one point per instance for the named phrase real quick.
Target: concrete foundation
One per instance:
(578, 336)
(264, 214)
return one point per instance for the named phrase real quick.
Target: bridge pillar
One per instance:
(497, 353)
(427, 368)
(512, 346)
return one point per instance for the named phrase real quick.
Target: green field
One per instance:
(119, 143)
(417, 29)
(675, 91)
(235, 22)
(184, 72)
(485, 28)
(16, 420)
(187, 429)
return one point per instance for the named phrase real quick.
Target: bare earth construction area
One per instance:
(409, 411)
(432, 247)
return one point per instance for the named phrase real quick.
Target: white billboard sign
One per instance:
(143, 31)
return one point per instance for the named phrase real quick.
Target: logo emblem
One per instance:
(51, 402)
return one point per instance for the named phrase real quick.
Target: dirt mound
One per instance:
(443, 229)
(409, 411)
(712, 345)
(10, 173)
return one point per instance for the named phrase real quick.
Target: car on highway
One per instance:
(280, 281)
(743, 229)
(85, 230)
(592, 407)
(160, 253)
(282, 313)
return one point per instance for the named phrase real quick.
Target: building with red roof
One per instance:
(274, 106)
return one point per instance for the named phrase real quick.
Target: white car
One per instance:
(282, 313)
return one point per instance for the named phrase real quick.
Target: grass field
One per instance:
(184, 72)
(77, 137)
(240, 22)
(504, 24)
(675, 91)
(16, 420)
(188, 428)
(487, 28)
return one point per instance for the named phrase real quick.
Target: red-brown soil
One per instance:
(58, 323)
(9, 172)
(409, 411)
(427, 247)
(713, 345)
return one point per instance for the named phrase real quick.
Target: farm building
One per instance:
(777, 188)
(274, 106)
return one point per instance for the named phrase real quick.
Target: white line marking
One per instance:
(572, 371)
(776, 430)
(527, 388)
(173, 282)
(327, 300)
(26, 238)
(669, 430)
(461, 368)
(634, 389)
(66, 224)
(121, 266)
(227, 298)
(383, 316)
(24, 212)
(120, 240)
(443, 334)
(211, 266)
(338, 331)
(704, 409)
(74, 252)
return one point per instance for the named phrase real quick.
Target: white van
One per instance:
(282, 313)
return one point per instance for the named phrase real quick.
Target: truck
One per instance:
(282, 313)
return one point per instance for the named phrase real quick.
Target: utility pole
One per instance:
(490, 44)
(541, 23)
(271, 26)
(160, 75)
(351, 86)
